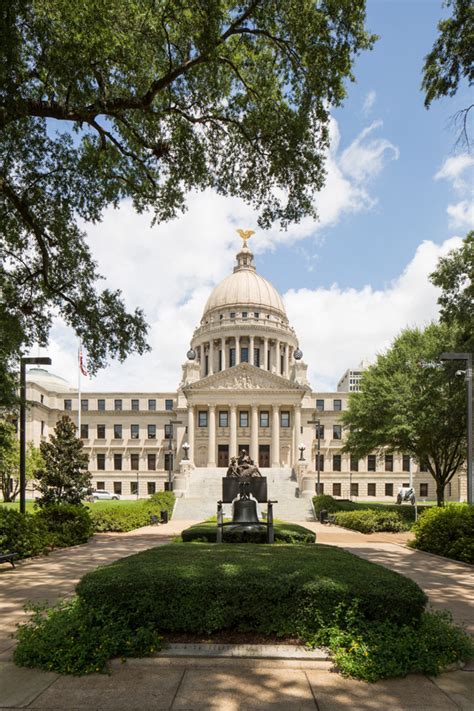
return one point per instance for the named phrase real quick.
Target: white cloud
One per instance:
(453, 168)
(461, 215)
(170, 269)
(347, 325)
(459, 172)
(369, 102)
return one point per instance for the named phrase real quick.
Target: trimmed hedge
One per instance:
(371, 521)
(67, 524)
(284, 533)
(330, 504)
(25, 534)
(282, 590)
(447, 531)
(127, 516)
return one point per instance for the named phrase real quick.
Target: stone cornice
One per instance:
(245, 379)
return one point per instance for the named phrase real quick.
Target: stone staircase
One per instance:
(205, 490)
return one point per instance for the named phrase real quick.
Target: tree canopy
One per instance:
(412, 403)
(10, 461)
(146, 100)
(455, 276)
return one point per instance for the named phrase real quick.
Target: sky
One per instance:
(398, 195)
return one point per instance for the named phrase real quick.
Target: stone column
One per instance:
(202, 360)
(223, 353)
(254, 434)
(251, 350)
(286, 359)
(276, 436)
(264, 360)
(210, 369)
(277, 357)
(297, 433)
(191, 433)
(233, 431)
(237, 350)
(211, 440)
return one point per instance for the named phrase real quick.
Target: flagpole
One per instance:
(79, 390)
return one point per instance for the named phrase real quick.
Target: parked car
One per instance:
(102, 495)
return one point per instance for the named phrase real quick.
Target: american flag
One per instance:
(81, 362)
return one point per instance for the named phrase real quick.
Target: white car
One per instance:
(102, 495)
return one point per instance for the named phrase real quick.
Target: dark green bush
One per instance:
(324, 501)
(24, 534)
(448, 531)
(371, 521)
(67, 524)
(134, 514)
(284, 533)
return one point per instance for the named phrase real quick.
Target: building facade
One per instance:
(244, 386)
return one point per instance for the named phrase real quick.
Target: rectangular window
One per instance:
(320, 431)
(134, 462)
(284, 419)
(134, 488)
(371, 463)
(84, 405)
(168, 405)
(321, 462)
(256, 314)
(243, 418)
(388, 489)
(337, 431)
(336, 462)
(134, 431)
(68, 405)
(135, 405)
(169, 431)
(151, 462)
(389, 462)
(320, 489)
(337, 405)
(264, 419)
(117, 487)
(244, 314)
(423, 465)
(319, 405)
(101, 462)
(406, 463)
(354, 464)
(100, 486)
(101, 405)
(206, 364)
(231, 356)
(118, 462)
(223, 418)
(354, 489)
(168, 461)
(151, 488)
(282, 363)
(232, 314)
(117, 431)
(117, 405)
(151, 431)
(336, 489)
(256, 357)
(423, 490)
(84, 431)
(152, 405)
(371, 489)
(244, 355)
(202, 418)
(100, 431)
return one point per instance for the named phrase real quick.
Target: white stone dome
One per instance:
(48, 380)
(245, 289)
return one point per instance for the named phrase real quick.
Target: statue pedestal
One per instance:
(306, 480)
(181, 480)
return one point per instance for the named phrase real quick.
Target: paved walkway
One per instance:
(223, 683)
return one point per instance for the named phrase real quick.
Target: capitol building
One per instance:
(244, 385)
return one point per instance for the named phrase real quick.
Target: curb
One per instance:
(245, 651)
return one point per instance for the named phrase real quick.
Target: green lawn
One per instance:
(98, 505)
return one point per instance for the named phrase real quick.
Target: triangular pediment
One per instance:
(245, 377)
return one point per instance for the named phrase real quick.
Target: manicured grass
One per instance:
(284, 533)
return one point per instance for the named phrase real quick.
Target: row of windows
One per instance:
(336, 431)
(371, 489)
(223, 418)
(118, 405)
(118, 431)
(336, 405)
(371, 463)
(150, 485)
(134, 462)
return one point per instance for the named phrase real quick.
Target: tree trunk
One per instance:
(439, 493)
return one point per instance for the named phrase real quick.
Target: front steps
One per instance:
(205, 490)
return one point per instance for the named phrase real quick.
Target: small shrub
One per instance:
(448, 531)
(24, 534)
(325, 501)
(67, 524)
(130, 515)
(284, 533)
(371, 521)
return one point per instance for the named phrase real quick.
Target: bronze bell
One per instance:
(245, 511)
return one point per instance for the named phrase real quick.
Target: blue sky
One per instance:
(397, 197)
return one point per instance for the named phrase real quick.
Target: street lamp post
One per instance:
(23, 363)
(170, 454)
(467, 358)
(317, 423)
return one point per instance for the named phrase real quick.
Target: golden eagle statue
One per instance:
(246, 235)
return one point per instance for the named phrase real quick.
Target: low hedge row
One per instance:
(448, 531)
(330, 504)
(370, 521)
(206, 532)
(134, 514)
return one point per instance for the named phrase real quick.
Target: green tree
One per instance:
(412, 403)
(64, 478)
(455, 276)
(146, 100)
(10, 461)
(452, 59)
